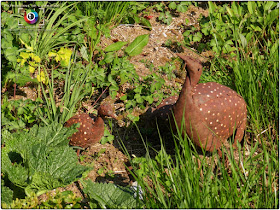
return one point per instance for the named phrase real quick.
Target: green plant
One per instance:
(62, 200)
(40, 160)
(73, 87)
(107, 138)
(165, 17)
(168, 69)
(146, 92)
(108, 195)
(18, 114)
(250, 21)
(180, 7)
(32, 47)
(101, 17)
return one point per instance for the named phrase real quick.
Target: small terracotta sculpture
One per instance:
(211, 112)
(90, 131)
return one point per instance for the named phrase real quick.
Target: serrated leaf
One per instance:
(136, 47)
(115, 46)
(6, 194)
(172, 5)
(109, 195)
(48, 160)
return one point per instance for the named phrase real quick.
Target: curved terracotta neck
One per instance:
(193, 68)
(184, 105)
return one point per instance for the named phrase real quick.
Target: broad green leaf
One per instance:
(48, 160)
(197, 37)
(136, 47)
(115, 46)
(109, 195)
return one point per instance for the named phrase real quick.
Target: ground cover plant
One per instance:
(124, 52)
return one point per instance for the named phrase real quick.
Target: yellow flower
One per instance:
(42, 78)
(31, 69)
(22, 62)
(24, 55)
(35, 57)
(32, 63)
(52, 54)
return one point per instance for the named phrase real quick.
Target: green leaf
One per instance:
(230, 12)
(84, 53)
(136, 47)
(109, 57)
(243, 40)
(197, 37)
(182, 8)
(6, 194)
(269, 5)
(172, 5)
(251, 7)
(115, 46)
(146, 23)
(109, 195)
(212, 7)
(48, 160)
(123, 98)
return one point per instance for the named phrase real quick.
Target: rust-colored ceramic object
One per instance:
(211, 112)
(90, 130)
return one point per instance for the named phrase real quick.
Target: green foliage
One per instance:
(35, 160)
(6, 194)
(165, 17)
(145, 92)
(168, 69)
(179, 6)
(115, 46)
(107, 137)
(62, 200)
(249, 21)
(107, 195)
(74, 92)
(18, 114)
